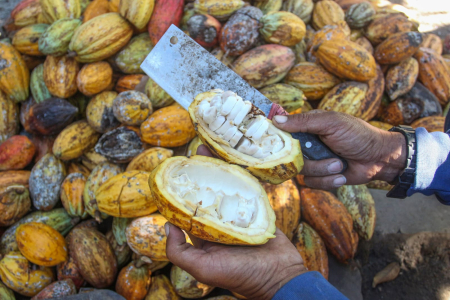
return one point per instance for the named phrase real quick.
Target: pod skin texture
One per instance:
(55, 40)
(14, 75)
(149, 159)
(186, 285)
(138, 12)
(161, 288)
(16, 153)
(9, 118)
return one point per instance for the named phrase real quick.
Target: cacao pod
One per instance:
(300, 52)
(8, 178)
(43, 144)
(100, 38)
(60, 76)
(9, 118)
(326, 13)
(398, 47)
(220, 55)
(14, 203)
(401, 78)
(359, 15)
(151, 230)
(26, 39)
(38, 88)
(94, 257)
(133, 282)
(218, 9)
(186, 285)
(288, 96)
(158, 97)
(302, 8)
(95, 9)
(132, 108)
(55, 40)
(128, 82)
(72, 195)
(431, 105)
(383, 27)
(379, 184)
(54, 10)
(365, 43)
(149, 159)
(433, 74)
(91, 159)
(41, 244)
(431, 124)
(346, 59)
(204, 29)
(120, 145)
(130, 58)
(311, 248)
(94, 78)
(372, 102)
(267, 6)
(282, 28)
(99, 112)
(381, 125)
(166, 13)
(122, 252)
(57, 219)
(27, 12)
(113, 5)
(75, 140)
(285, 201)
(74, 167)
(264, 65)
(170, 126)
(57, 289)
(16, 153)
(5, 292)
(331, 220)
(433, 42)
(80, 101)
(14, 74)
(347, 97)
(137, 12)
(161, 288)
(241, 32)
(99, 175)
(119, 227)
(339, 30)
(188, 12)
(17, 273)
(402, 111)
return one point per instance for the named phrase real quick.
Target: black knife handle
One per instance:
(314, 149)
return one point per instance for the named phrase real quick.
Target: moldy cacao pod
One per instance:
(57, 289)
(401, 78)
(431, 105)
(132, 108)
(120, 145)
(402, 111)
(204, 29)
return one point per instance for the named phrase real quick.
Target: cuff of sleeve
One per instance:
(308, 286)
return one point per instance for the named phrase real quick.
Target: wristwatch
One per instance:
(404, 181)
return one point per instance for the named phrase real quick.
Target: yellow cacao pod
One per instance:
(94, 78)
(14, 74)
(149, 159)
(26, 39)
(99, 112)
(326, 13)
(60, 76)
(54, 10)
(137, 12)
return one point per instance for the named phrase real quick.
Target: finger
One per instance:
(140, 87)
(326, 183)
(323, 167)
(203, 150)
(315, 122)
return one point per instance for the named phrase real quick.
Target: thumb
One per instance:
(315, 122)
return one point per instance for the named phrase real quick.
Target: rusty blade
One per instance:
(185, 69)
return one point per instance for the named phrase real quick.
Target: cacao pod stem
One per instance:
(98, 217)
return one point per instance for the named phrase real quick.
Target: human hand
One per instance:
(371, 153)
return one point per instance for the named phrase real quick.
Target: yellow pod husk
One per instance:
(14, 203)
(346, 97)
(132, 108)
(60, 75)
(138, 12)
(161, 288)
(14, 75)
(221, 10)
(9, 118)
(26, 39)
(72, 195)
(54, 10)
(193, 146)
(282, 28)
(149, 159)
(94, 78)
(326, 13)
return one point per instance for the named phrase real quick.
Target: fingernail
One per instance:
(167, 228)
(335, 167)
(340, 181)
(280, 119)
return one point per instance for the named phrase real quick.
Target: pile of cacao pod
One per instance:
(81, 128)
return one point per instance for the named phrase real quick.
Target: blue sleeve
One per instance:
(308, 286)
(433, 165)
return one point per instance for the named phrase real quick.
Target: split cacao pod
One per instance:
(132, 108)
(38, 88)
(14, 74)
(75, 140)
(134, 281)
(122, 252)
(94, 257)
(383, 27)
(130, 58)
(345, 97)
(331, 220)
(204, 29)
(401, 78)
(27, 12)
(41, 244)
(150, 229)
(326, 13)
(302, 8)
(433, 74)
(94, 78)
(57, 219)
(431, 124)
(433, 42)
(55, 40)
(72, 195)
(26, 39)
(60, 75)
(186, 285)
(158, 97)
(9, 118)
(193, 146)
(398, 47)
(57, 289)
(359, 15)
(285, 201)
(45, 182)
(283, 28)
(120, 145)
(264, 65)
(161, 288)
(128, 82)
(311, 248)
(99, 112)
(18, 274)
(100, 38)
(149, 159)
(359, 203)
(166, 13)
(241, 32)
(288, 96)
(346, 59)
(137, 12)
(267, 6)
(99, 175)
(16, 153)
(54, 10)
(170, 126)
(95, 9)
(14, 203)
(218, 9)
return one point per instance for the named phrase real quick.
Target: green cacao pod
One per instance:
(119, 227)
(302, 8)
(130, 58)
(359, 15)
(6, 293)
(289, 97)
(26, 39)
(55, 40)
(37, 85)
(158, 97)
